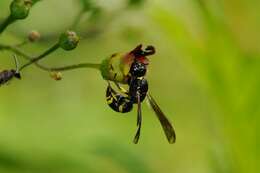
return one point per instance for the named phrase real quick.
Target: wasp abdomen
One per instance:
(138, 85)
(118, 102)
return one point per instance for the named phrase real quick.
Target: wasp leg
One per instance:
(139, 119)
(17, 72)
(123, 90)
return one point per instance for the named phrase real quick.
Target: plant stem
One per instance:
(22, 43)
(21, 53)
(63, 68)
(44, 54)
(15, 50)
(5, 23)
(77, 20)
(76, 66)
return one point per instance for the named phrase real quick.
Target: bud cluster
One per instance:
(20, 9)
(68, 40)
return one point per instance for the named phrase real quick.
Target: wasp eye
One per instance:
(138, 69)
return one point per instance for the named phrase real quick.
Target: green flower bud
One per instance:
(68, 40)
(120, 63)
(20, 8)
(34, 36)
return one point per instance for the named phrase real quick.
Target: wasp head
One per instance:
(140, 54)
(16, 74)
(138, 66)
(137, 69)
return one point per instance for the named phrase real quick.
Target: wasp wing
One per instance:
(166, 125)
(139, 119)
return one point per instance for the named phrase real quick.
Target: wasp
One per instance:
(7, 75)
(133, 67)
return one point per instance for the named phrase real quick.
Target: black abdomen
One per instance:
(5, 76)
(118, 102)
(138, 85)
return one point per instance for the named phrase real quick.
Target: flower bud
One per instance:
(34, 36)
(68, 40)
(20, 8)
(56, 75)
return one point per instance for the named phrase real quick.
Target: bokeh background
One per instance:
(205, 76)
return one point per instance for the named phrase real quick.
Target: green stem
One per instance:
(75, 66)
(18, 51)
(77, 20)
(22, 43)
(64, 68)
(44, 54)
(15, 50)
(5, 23)
(49, 69)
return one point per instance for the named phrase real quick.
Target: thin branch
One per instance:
(18, 51)
(15, 50)
(44, 54)
(49, 69)
(23, 43)
(5, 23)
(76, 66)
(76, 21)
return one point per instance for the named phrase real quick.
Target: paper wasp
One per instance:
(132, 73)
(7, 75)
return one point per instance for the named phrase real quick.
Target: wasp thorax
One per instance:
(138, 69)
(68, 40)
(20, 8)
(140, 86)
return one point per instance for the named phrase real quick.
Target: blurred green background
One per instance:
(205, 77)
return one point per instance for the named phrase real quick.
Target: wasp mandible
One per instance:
(7, 75)
(130, 69)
